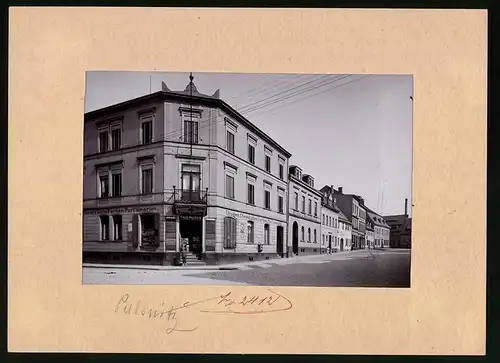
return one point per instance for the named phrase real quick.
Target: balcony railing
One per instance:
(190, 196)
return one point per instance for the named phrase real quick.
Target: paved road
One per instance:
(364, 270)
(389, 268)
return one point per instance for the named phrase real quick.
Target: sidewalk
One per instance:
(239, 266)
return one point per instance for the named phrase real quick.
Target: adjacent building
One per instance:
(344, 233)
(182, 167)
(330, 214)
(304, 216)
(381, 230)
(400, 229)
(370, 232)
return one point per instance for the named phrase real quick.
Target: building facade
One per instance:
(181, 168)
(400, 229)
(344, 233)
(370, 232)
(330, 240)
(380, 229)
(304, 214)
(361, 210)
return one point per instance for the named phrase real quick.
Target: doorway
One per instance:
(295, 238)
(341, 244)
(191, 229)
(330, 243)
(279, 240)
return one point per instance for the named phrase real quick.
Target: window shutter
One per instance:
(210, 235)
(157, 230)
(226, 231)
(170, 235)
(233, 233)
(135, 230)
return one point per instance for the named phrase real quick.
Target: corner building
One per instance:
(181, 166)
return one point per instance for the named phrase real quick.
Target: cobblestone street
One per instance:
(363, 268)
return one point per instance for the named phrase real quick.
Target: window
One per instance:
(315, 209)
(302, 234)
(323, 239)
(251, 154)
(250, 194)
(310, 206)
(309, 235)
(117, 228)
(296, 201)
(280, 203)
(323, 219)
(147, 180)
(116, 139)
(267, 234)
(282, 173)
(117, 184)
(229, 232)
(104, 228)
(230, 142)
(250, 230)
(191, 131)
(229, 186)
(268, 163)
(303, 204)
(104, 186)
(103, 141)
(315, 241)
(147, 131)
(267, 199)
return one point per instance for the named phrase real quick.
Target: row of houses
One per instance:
(176, 167)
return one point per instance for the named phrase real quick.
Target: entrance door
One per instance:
(295, 238)
(330, 242)
(341, 244)
(279, 240)
(192, 230)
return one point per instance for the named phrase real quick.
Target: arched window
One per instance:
(309, 235)
(302, 234)
(315, 236)
(250, 233)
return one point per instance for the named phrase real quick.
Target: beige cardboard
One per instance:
(51, 48)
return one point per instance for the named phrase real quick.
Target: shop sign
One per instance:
(123, 210)
(248, 217)
(190, 218)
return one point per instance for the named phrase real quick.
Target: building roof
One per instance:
(304, 184)
(377, 218)
(401, 221)
(343, 218)
(185, 96)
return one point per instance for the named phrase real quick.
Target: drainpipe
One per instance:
(287, 253)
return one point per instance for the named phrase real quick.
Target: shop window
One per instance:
(104, 221)
(117, 228)
(267, 234)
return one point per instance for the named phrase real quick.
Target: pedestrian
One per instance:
(184, 249)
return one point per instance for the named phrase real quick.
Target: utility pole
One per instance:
(191, 112)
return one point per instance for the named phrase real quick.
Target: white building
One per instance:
(344, 233)
(380, 230)
(304, 223)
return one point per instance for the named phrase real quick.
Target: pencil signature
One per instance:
(226, 303)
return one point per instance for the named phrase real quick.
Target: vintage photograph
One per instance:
(247, 179)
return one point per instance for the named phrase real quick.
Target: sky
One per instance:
(353, 131)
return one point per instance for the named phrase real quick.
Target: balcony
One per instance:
(190, 202)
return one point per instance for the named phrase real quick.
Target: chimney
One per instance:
(406, 207)
(340, 190)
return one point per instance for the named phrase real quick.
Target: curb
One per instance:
(161, 268)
